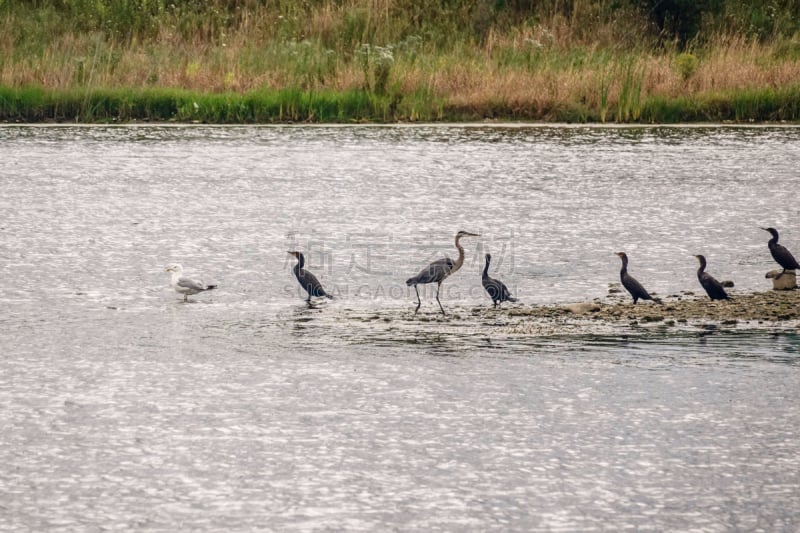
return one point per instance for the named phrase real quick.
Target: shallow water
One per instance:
(244, 409)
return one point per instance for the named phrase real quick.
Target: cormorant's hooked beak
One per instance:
(771, 231)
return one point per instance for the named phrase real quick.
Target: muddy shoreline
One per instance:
(772, 310)
(613, 316)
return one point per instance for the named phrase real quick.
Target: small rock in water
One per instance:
(728, 284)
(782, 282)
(581, 308)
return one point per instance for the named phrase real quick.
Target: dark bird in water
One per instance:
(780, 254)
(307, 280)
(633, 286)
(440, 269)
(497, 290)
(713, 287)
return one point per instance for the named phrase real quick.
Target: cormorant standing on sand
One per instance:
(307, 280)
(780, 254)
(633, 286)
(497, 289)
(713, 287)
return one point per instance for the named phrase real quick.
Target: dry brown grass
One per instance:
(73, 60)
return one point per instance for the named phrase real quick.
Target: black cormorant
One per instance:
(497, 290)
(633, 286)
(713, 287)
(780, 254)
(307, 280)
(440, 269)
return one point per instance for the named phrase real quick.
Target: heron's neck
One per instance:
(486, 269)
(301, 261)
(624, 268)
(460, 260)
(773, 241)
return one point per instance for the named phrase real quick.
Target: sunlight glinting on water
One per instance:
(244, 409)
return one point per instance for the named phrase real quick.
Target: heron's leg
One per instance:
(781, 274)
(419, 302)
(439, 286)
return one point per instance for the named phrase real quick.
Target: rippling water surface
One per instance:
(125, 408)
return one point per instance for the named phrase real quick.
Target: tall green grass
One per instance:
(35, 104)
(629, 103)
(763, 105)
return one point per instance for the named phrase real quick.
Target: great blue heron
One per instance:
(633, 286)
(439, 270)
(184, 285)
(713, 287)
(780, 254)
(497, 290)
(307, 280)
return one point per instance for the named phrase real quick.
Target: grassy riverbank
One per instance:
(383, 61)
(36, 104)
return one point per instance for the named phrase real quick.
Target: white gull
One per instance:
(184, 285)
